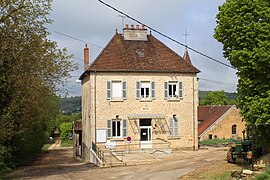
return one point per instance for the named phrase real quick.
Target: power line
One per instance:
(72, 37)
(164, 35)
(218, 82)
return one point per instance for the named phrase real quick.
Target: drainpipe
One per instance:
(95, 92)
(193, 106)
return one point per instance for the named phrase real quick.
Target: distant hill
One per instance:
(69, 105)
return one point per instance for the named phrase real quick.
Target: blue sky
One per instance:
(93, 22)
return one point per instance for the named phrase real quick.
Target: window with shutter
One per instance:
(174, 126)
(166, 90)
(153, 89)
(138, 90)
(180, 90)
(124, 89)
(124, 125)
(108, 89)
(109, 128)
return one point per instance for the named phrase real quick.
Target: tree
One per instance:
(243, 27)
(215, 98)
(31, 70)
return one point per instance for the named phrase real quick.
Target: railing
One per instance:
(99, 152)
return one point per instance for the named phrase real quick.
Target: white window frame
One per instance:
(176, 95)
(122, 88)
(168, 90)
(142, 86)
(112, 133)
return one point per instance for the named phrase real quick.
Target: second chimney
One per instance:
(86, 57)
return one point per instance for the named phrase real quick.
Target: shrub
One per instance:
(262, 176)
(66, 129)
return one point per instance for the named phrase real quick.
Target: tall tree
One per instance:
(243, 27)
(31, 68)
(215, 98)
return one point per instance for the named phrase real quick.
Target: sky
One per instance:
(92, 22)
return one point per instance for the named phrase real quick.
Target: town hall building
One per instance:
(138, 95)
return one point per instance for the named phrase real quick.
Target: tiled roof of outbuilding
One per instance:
(132, 55)
(208, 115)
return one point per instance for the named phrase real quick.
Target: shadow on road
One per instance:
(53, 162)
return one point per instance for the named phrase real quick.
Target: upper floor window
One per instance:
(116, 90)
(145, 90)
(173, 90)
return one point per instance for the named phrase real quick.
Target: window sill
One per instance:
(146, 100)
(173, 137)
(116, 139)
(173, 100)
(116, 100)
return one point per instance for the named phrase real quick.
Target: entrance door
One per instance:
(145, 133)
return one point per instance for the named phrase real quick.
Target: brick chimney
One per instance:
(86, 57)
(135, 34)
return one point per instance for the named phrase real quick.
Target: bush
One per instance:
(66, 129)
(263, 176)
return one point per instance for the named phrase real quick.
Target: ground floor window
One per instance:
(117, 128)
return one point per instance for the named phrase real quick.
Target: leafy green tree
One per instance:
(215, 98)
(66, 129)
(243, 27)
(31, 70)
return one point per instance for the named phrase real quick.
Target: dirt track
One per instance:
(58, 163)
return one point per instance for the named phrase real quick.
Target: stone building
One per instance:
(221, 122)
(138, 95)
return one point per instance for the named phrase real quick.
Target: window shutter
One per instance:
(153, 89)
(124, 89)
(175, 127)
(180, 90)
(138, 90)
(166, 90)
(171, 126)
(109, 89)
(109, 128)
(124, 127)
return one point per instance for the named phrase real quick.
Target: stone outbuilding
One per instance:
(138, 95)
(221, 122)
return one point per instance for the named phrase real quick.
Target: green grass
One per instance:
(223, 176)
(214, 141)
(66, 142)
(45, 147)
(264, 175)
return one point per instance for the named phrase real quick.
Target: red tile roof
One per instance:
(131, 55)
(208, 115)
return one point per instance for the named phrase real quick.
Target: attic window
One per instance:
(140, 54)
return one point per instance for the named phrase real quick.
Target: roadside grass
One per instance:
(264, 175)
(220, 176)
(45, 147)
(65, 142)
(215, 141)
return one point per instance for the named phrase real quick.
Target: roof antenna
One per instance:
(123, 20)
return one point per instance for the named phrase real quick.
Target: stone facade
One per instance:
(222, 127)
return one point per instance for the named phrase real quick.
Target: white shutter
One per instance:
(180, 90)
(124, 126)
(171, 126)
(166, 90)
(138, 90)
(109, 128)
(153, 89)
(175, 126)
(108, 89)
(124, 89)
